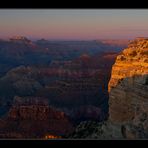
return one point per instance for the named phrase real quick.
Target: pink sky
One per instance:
(74, 24)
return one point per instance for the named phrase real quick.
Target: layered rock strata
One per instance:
(32, 117)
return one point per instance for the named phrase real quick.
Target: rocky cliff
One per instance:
(128, 97)
(128, 87)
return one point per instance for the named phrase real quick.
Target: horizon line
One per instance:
(67, 39)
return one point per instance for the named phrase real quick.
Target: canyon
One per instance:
(72, 76)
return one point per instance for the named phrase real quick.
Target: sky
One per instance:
(74, 24)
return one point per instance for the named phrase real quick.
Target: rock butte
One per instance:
(32, 117)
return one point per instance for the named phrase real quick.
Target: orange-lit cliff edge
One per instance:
(128, 87)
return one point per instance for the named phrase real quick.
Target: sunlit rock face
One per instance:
(132, 61)
(128, 87)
